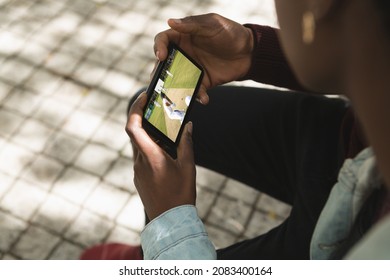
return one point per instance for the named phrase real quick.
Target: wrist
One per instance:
(247, 51)
(250, 40)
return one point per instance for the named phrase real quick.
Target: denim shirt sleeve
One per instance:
(177, 234)
(357, 179)
(375, 245)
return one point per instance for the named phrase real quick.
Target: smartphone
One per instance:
(171, 95)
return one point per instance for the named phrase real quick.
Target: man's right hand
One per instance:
(223, 47)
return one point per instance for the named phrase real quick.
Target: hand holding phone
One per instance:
(171, 94)
(223, 47)
(162, 182)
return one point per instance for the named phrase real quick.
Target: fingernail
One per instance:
(203, 99)
(157, 55)
(189, 127)
(199, 100)
(176, 20)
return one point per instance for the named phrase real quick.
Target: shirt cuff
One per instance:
(177, 234)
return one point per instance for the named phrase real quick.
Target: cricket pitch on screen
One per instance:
(172, 94)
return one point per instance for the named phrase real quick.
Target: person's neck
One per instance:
(368, 85)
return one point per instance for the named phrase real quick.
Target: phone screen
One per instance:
(173, 90)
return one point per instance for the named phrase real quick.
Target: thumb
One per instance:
(204, 25)
(202, 96)
(185, 152)
(188, 25)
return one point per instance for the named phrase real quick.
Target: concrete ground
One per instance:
(67, 70)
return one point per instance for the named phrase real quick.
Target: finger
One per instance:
(202, 96)
(140, 139)
(203, 25)
(135, 151)
(139, 102)
(154, 70)
(185, 153)
(187, 25)
(135, 112)
(134, 148)
(161, 42)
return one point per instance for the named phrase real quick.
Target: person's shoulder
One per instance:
(375, 245)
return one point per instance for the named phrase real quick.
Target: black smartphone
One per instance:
(171, 95)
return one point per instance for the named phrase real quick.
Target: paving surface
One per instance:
(67, 70)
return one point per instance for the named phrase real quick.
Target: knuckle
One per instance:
(130, 130)
(156, 38)
(213, 15)
(159, 37)
(189, 19)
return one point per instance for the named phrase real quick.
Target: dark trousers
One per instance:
(284, 144)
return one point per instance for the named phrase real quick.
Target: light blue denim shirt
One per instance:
(357, 179)
(177, 234)
(180, 234)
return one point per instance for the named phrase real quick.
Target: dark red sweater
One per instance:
(269, 64)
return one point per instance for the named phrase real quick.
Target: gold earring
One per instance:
(308, 27)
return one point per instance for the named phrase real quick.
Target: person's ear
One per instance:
(322, 9)
(315, 12)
